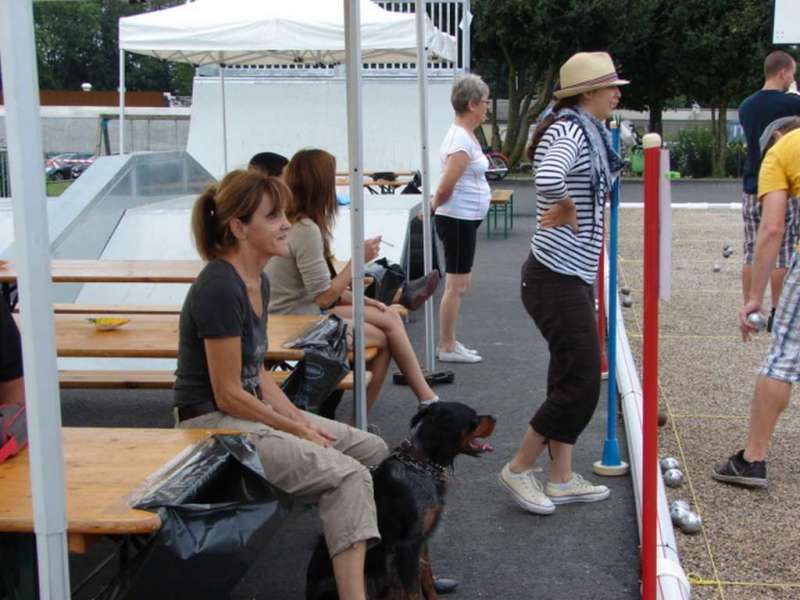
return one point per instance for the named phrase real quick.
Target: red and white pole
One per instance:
(652, 162)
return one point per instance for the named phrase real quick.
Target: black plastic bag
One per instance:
(386, 280)
(217, 509)
(324, 364)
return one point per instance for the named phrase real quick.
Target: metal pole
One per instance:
(427, 232)
(611, 463)
(24, 131)
(121, 91)
(652, 159)
(355, 155)
(465, 37)
(224, 121)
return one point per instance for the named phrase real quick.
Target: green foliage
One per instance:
(77, 42)
(691, 153)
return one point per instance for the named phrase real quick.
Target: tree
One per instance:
(518, 47)
(77, 42)
(719, 58)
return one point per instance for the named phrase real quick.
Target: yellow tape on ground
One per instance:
(696, 579)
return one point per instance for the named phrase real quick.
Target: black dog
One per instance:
(409, 491)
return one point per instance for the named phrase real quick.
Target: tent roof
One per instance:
(275, 32)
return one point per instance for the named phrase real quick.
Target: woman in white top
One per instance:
(460, 205)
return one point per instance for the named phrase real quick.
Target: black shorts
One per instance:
(10, 346)
(459, 237)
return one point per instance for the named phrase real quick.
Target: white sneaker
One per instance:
(576, 489)
(526, 490)
(463, 348)
(458, 355)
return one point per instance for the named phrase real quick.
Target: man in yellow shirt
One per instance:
(778, 181)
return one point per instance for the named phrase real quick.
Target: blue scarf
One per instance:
(606, 163)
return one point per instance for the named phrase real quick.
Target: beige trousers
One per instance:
(336, 478)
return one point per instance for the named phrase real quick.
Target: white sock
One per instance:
(563, 486)
(428, 402)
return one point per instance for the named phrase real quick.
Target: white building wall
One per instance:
(282, 115)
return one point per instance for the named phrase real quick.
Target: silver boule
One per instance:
(757, 321)
(673, 478)
(627, 302)
(669, 462)
(727, 247)
(625, 291)
(716, 268)
(678, 510)
(691, 522)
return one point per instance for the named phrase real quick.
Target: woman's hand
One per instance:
(371, 248)
(558, 215)
(316, 435)
(372, 302)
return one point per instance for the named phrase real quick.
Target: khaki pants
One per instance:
(336, 477)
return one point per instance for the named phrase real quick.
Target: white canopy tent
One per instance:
(229, 32)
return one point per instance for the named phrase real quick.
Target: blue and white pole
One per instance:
(612, 464)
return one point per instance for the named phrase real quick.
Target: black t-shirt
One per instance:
(755, 113)
(217, 306)
(10, 346)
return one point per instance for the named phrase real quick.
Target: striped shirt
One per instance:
(562, 168)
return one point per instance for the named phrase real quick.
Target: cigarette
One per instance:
(391, 245)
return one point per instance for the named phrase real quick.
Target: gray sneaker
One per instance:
(526, 490)
(576, 489)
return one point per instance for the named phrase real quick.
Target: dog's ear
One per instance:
(420, 414)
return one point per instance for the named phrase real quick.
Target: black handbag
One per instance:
(386, 280)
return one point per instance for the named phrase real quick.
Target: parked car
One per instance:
(60, 166)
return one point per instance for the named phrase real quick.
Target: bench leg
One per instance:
(505, 222)
(511, 207)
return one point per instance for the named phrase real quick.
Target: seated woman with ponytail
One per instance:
(221, 382)
(304, 281)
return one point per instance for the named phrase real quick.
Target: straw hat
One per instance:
(587, 71)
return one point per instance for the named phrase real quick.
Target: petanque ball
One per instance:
(625, 291)
(627, 302)
(691, 522)
(673, 478)
(716, 268)
(757, 321)
(677, 510)
(669, 462)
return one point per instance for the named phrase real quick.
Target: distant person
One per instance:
(221, 383)
(574, 169)
(778, 181)
(755, 113)
(460, 204)
(269, 163)
(304, 281)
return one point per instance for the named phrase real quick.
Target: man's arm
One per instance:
(768, 244)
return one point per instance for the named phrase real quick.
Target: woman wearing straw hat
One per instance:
(574, 166)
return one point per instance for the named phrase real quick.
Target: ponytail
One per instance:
(204, 223)
(547, 121)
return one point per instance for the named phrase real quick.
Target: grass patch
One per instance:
(56, 188)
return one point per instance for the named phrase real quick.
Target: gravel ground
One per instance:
(750, 538)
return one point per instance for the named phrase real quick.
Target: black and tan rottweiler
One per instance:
(409, 490)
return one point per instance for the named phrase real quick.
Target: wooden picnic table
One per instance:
(114, 271)
(100, 485)
(156, 336)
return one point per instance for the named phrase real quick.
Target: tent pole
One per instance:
(121, 92)
(32, 258)
(465, 37)
(224, 121)
(427, 232)
(352, 35)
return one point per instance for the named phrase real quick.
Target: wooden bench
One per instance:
(117, 309)
(502, 202)
(151, 379)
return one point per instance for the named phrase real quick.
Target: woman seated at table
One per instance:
(304, 281)
(221, 381)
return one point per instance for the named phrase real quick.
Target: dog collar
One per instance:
(409, 454)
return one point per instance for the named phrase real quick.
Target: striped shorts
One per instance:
(783, 358)
(751, 216)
